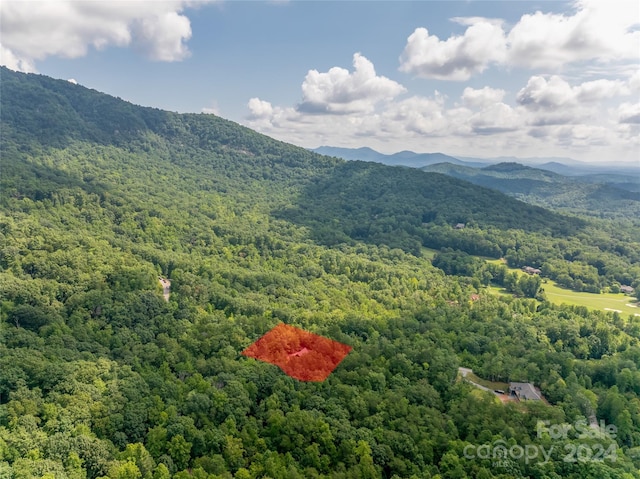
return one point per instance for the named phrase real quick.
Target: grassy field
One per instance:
(500, 261)
(428, 252)
(604, 302)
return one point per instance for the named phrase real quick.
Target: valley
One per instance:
(604, 191)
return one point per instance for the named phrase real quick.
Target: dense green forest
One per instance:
(100, 377)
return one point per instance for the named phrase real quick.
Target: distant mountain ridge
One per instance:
(609, 195)
(561, 165)
(560, 183)
(402, 158)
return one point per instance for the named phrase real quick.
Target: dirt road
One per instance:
(166, 287)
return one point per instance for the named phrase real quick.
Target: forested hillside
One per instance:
(598, 195)
(605, 190)
(101, 377)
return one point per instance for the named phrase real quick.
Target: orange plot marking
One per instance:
(300, 354)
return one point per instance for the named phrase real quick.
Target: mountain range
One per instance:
(562, 165)
(402, 158)
(560, 183)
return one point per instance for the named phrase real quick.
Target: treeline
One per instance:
(482, 273)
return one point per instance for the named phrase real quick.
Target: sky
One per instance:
(466, 78)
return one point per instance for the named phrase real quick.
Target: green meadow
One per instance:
(429, 253)
(604, 301)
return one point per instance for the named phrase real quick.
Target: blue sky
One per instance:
(472, 78)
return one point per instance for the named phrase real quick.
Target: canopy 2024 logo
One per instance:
(582, 442)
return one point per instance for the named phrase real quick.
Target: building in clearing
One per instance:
(530, 270)
(524, 391)
(626, 289)
(460, 226)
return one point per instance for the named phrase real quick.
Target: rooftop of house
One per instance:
(524, 391)
(531, 270)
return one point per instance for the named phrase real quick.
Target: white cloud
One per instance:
(73, 80)
(260, 108)
(34, 30)
(629, 113)
(596, 90)
(604, 32)
(421, 115)
(456, 58)
(598, 30)
(339, 91)
(634, 82)
(212, 110)
(553, 101)
(551, 117)
(470, 21)
(162, 36)
(482, 97)
(494, 119)
(12, 61)
(540, 93)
